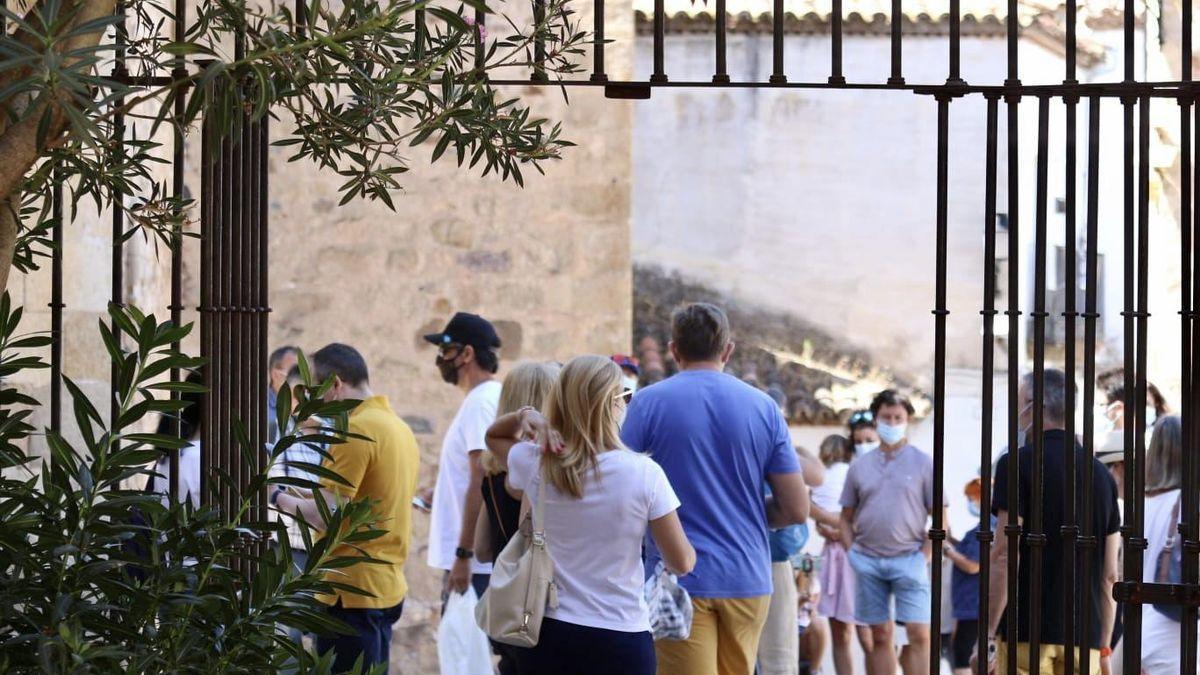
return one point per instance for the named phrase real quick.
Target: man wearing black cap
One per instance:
(467, 358)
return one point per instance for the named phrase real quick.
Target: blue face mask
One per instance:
(973, 508)
(889, 434)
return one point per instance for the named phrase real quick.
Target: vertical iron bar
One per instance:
(1139, 473)
(1131, 503)
(480, 53)
(179, 72)
(1072, 19)
(1087, 542)
(119, 72)
(223, 280)
(1070, 528)
(1012, 34)
(1036, 536)
(232, 365)
(660, 29)
(955, 76)
(1188, 495)
(777, 75)
(1012, 530)
(262, 301)
(897, 76)
(1130, 54)
(539, 44)
(986, 535)
(302, 20)
(937, 534)
(598, 74)
(1191, 482)
(56, 308)
(835, 43)
(207, 219)
(722, 74)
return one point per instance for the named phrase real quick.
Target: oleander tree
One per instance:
(356, 84)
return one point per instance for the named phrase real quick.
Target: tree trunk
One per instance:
(8, 240)
(18, 141)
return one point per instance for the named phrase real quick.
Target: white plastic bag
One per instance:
(462, 647)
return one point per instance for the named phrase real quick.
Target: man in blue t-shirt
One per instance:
(721, 443)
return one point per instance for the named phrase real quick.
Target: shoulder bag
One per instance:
(522, 585)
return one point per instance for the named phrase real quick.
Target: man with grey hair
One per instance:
(1104, 522)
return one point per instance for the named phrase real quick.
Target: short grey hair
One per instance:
(1054, 393)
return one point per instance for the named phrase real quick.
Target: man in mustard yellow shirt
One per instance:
(381, 470)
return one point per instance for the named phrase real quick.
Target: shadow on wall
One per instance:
(822, 376)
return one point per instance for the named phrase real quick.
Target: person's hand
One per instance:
(829, 533)
(460, 576)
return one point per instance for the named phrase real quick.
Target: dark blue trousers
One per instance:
(581, 650)
(372, 638)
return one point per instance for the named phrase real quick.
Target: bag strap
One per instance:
(539, 522)
(1173, 526)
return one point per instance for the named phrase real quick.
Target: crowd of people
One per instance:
(697, 476)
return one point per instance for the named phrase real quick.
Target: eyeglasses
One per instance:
(862, 417)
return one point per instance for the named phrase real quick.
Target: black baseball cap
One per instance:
(467, 329)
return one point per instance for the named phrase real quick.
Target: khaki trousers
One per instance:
(724, 638)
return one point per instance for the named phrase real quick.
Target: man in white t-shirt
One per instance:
(467, 358)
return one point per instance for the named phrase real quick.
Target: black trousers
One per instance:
(581, 650)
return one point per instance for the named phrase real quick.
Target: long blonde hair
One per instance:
(527, 384)
(582, 407)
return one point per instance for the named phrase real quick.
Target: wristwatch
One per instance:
(463, 553)
(992, 649)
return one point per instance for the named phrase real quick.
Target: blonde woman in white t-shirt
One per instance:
(600, 500)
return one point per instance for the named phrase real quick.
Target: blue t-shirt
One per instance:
(716, 438)
(787, 541)
(964, 588)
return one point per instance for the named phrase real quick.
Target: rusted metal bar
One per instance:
(208, 190)
(986, 534)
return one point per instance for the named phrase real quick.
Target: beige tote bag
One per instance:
(522, 585)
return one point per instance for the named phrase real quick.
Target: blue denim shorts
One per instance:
(878, 579)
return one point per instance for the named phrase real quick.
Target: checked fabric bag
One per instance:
(670, 605)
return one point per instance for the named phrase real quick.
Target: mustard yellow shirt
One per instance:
(382, 470)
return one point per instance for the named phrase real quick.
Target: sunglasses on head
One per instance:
(862, 417)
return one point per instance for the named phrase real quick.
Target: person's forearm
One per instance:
(775, 515)
(810, 467)
(823, 517)
(472, 504)
(997, 592)
(963, 563)
(1108, 615)
(299, 507)
(502, 435)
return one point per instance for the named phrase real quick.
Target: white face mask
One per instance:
(861, 449)
(629, 383)
(891, 434)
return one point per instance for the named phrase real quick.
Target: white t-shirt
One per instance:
(1160, 634)
(466, 433)
(189, 474)
(596, 541)
(828, 495)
